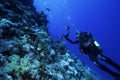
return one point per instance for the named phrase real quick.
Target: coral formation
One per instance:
(27, 52)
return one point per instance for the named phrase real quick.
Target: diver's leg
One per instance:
(109, 61)
(104, 68)
(101, 66)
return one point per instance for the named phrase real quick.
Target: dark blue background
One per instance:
(100, 17)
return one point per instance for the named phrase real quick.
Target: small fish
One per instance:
(48, 9)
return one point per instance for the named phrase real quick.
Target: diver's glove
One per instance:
(66, 35)
(67, 28)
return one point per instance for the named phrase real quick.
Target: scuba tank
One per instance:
(96, 48)
(96, 43)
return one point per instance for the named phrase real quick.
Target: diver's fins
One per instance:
(117, 77)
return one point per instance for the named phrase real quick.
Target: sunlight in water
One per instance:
(53, 8)
(51, 4)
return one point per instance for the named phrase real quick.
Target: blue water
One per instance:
(100, 17)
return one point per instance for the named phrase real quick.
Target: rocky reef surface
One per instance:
(27, 51)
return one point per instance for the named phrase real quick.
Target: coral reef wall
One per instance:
(27, 52)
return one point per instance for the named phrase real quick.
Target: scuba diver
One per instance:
(89, 46)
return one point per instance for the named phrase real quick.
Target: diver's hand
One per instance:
(66, 35)
(67, 28)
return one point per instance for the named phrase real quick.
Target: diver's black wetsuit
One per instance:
(91, 48)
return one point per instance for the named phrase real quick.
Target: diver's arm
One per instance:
(68, 39)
